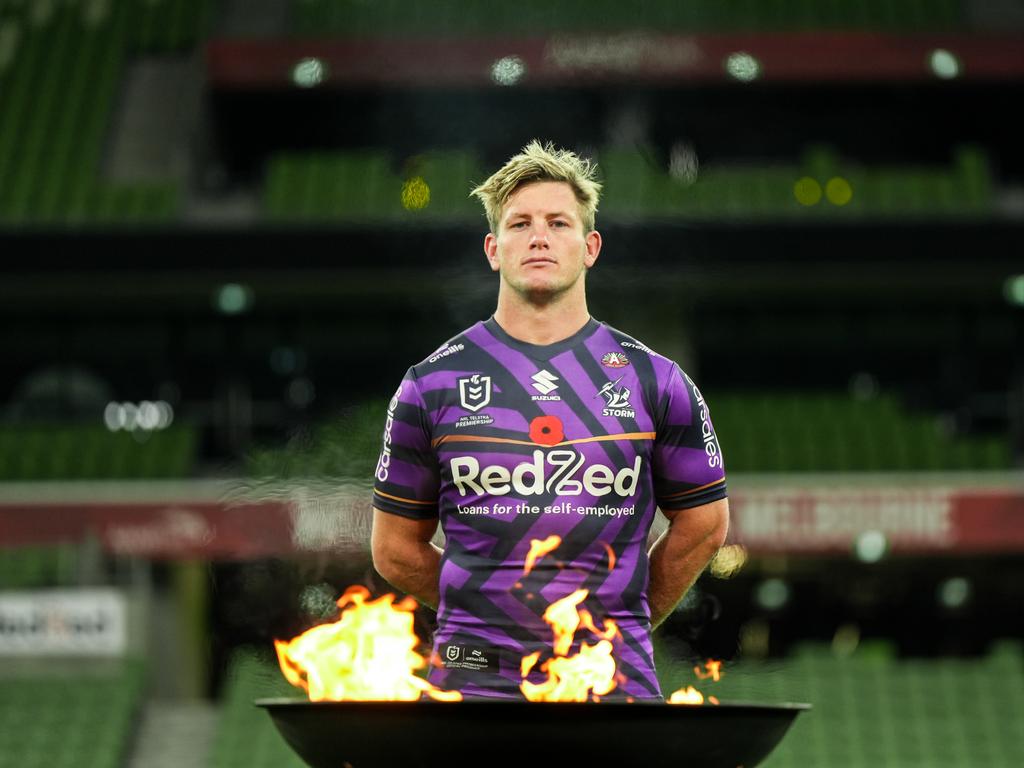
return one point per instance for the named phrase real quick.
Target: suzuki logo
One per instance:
(475, 392)
(544, 382)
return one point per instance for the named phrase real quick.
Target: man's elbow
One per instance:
(383, 556)
(719, 525)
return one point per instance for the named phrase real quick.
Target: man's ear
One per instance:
(491, 250)
(592, 241)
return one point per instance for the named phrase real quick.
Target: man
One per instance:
(540, 422)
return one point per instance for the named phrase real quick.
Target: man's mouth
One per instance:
(538, 260)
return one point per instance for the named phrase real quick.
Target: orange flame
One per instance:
(368, 654)
(572, 678)
(714, 670)
(591, 672)
(611, 554)
(689, 694)
(539, 548)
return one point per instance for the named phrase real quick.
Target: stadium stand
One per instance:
(86, 452)
(361, 186)
(246, 737)
(477, 18)
(61, 65)
(872, 709)
(33, 567)
(71, 719)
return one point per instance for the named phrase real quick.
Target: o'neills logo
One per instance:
(559, 472)
(445, 352)
(711, 448)
(385, 455)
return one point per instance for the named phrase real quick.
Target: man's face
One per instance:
(540, 248)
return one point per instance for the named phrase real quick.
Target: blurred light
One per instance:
(871, 546)
(508, 70)
(954, 593)
(944, 63)
(147, 416)
(838, 191)
(1013, 290)
(683, 163)
(755, 638)
(287, 360)
(729, 560)
(863, 386)
(309, 73)
(846, 640)
(807, 191)
(301, 392)
(233, 298)
(743, 66)
(415, 194)
(10, 34)
(772, 594)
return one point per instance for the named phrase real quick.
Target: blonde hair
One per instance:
(541, 163)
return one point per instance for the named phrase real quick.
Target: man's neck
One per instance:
(546, 323)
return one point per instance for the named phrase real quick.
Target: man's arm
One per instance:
(681, 553)
(404, 556)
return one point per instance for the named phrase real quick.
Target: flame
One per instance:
(572, 678)
(714, 670)
(591, 672)
(368, 654)
(611, 555)
(565, 619)
(539, 548)
(689, 694)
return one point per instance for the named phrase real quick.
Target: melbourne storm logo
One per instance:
(616, 400)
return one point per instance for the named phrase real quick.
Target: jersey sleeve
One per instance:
(688, 467)
(407, 480)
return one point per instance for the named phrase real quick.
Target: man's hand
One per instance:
(404, 556)
(681, 553)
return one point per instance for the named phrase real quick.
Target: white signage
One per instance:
(63, 622)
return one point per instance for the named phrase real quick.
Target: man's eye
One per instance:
(559, 223)
(519, 224)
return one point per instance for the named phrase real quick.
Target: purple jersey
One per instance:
(506, 442)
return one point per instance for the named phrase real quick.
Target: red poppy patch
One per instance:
(546, 430)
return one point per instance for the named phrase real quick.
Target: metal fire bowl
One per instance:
(471, 734)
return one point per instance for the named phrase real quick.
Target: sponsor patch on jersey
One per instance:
(455, 656)
(544, 382)
(475, 392)
(616, 400)
(615, 360)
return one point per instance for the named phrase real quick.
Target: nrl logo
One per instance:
(475, 392)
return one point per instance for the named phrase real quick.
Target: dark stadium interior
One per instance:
(210, 288)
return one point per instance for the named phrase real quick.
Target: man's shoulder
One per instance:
(633, 346)
(450, 349)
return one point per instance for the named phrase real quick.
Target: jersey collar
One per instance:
(541, 351)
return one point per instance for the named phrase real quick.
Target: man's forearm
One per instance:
(680, 554)
(416, 570)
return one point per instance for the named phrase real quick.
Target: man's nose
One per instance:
(539, 237)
